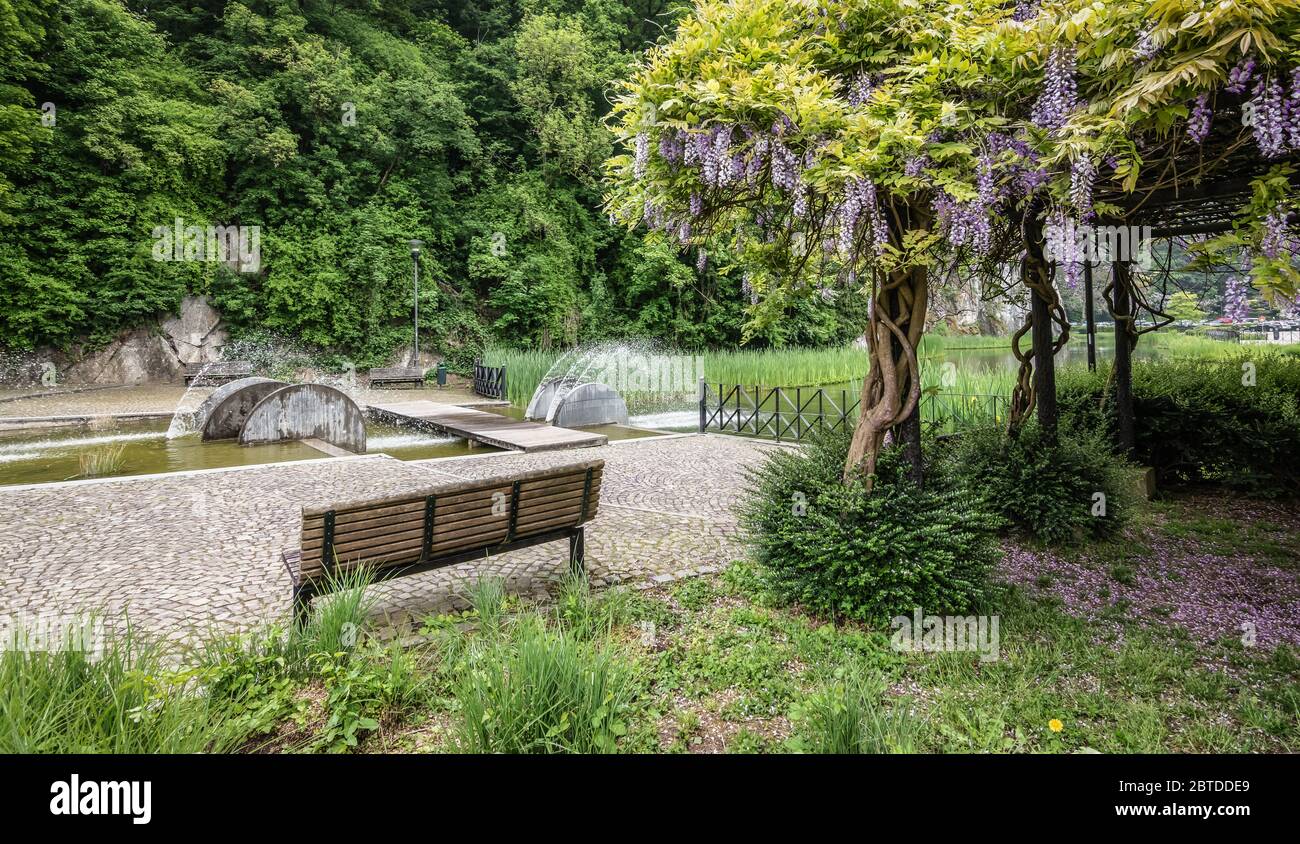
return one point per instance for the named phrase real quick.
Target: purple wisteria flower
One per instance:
(1064, 246)
(1025, 10)
(1293, 110)
(701, 260)
(985, 184)
(1060, 96)
(642, 154)
(785, 167)
(1277, 235)
(1083, 173)
(1270, 124)
(1146, 47)
(875, 216)
(963, 223)
(860, 89)
(1198, 124)
(800, 205)
(1235, 304)
(916, 165)
(672, 147)
(1239, 77)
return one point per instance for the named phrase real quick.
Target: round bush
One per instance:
(1050, 490)
(837, 549)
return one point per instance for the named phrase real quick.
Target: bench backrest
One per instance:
(404, 372)
(448, 519)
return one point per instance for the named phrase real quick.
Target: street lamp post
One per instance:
(415, 262)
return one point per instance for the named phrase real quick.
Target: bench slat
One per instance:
(412, 535)
(390, 531)
(313, 538)
(455, 487)
(449, 504)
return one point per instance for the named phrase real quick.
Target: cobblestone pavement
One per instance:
(186, 554)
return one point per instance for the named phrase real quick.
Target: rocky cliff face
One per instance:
(961, 308)
(152, 353)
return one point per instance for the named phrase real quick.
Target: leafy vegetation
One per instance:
(341, 130)
(841, 550)
(1057, 491)
(708, 664)
(1232, 421)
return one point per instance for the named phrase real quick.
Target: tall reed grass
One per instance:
(102, 462)
(528, 687)
(122, 696)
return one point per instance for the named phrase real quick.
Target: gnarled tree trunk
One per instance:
(891, 392)
(1036, 381)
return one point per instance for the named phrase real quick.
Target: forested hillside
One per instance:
(341, 129)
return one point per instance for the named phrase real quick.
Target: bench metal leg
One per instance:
(576, 551)
(302, 605)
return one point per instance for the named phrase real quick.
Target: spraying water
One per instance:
(651, 380)
(183, 417)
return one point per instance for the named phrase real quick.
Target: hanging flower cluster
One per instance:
(859, 197)
(1064, 245)
(1239, 77)
(641, 155)
(1198, 124)
(963, 223)
(1083, 174)
(1277, 238)
(1270, 118)
(1025, 10)
(1235, 305)
(1146, 47)
(1060, 95)
(860, 89)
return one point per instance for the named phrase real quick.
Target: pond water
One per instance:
(141, 447)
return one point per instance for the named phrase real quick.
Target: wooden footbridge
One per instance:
(480, 426)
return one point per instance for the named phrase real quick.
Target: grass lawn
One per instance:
(713, 666)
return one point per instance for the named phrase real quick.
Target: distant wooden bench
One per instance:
(442, 525)
(397, 375)
(218, 372)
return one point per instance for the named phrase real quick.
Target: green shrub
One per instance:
(839, 550)
(1197, 422)
(1046, 489)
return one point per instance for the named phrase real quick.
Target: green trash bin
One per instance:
(442, 375)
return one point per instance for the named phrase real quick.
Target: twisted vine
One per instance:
(1036, 275)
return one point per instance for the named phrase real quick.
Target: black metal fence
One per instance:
(792, 413)
(489, 381)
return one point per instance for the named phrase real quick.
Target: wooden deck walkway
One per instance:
(480, 426)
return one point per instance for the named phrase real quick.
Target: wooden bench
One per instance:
(217, 372)
(397, 375)
(442, 525)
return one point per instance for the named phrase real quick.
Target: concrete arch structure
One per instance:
(307, 411)
(222, 414)
(590, 404)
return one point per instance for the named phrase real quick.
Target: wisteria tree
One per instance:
(1185, 113)
(824, 143)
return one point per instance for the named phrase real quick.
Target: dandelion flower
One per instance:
(1055, 725)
